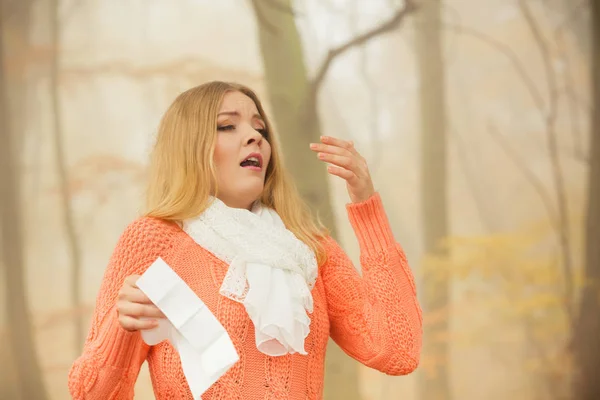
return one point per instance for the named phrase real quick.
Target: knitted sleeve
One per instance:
(112, 356)
(376, 318)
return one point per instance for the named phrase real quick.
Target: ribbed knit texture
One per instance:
(376, 319)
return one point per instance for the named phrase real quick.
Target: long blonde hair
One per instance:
(182, 172)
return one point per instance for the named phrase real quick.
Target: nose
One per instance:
(253, 137)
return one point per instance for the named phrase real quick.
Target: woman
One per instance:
(216, 169)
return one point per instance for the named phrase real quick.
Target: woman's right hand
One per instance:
(136, 311)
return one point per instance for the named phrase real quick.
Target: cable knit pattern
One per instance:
(375, 318)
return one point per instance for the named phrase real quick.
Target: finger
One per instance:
(137, 310)
(131, 280)
(134, 324)
(151, 311)
(133, 295)
(344, 144)
(326, 148)
(353, 149)
(340, 161)
(341, 172)
(142, 310)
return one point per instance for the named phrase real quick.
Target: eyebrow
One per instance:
(237, 114)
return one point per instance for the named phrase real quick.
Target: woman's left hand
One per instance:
(348, 164)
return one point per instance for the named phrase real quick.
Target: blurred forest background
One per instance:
(479, 118)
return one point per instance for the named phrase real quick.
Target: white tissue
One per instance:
(205, 349)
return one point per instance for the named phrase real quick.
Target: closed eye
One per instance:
(263, 132)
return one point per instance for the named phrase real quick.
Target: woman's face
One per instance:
(242, 152)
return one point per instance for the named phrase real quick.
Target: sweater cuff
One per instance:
(371, 225)
(120, 348)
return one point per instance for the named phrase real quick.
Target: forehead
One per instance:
(237, 101)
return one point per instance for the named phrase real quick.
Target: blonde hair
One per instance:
(182, 171)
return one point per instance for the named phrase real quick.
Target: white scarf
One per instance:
(271, 272)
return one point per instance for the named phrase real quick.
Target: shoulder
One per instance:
(148, 235)
(151, 228)
(139, 245)
(329, 244)
(332, 250)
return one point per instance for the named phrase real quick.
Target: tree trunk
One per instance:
(297, 121)
(296, 117)
(575, 17)
(30, 384)
(63, 178)
(15, 33)
(434, 381)
(587, 328)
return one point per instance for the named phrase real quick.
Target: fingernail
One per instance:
(323, 137)
(313, 145)
(321, 155)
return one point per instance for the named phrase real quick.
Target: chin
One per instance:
(241, 193)
(252, 193)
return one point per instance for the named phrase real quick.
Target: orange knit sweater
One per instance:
(374, 318)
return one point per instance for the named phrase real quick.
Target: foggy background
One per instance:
(475, 117)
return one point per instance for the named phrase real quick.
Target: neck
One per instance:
(237, 203)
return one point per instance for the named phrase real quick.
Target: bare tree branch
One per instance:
(550, 117)
(471, 178)
(528, 320)
(512, 57)
(525, 78)
(549, 112)
(533, 180)
(371, 86)
(569, 88)
(572, 14)
(388, 26)
(546, 58)
(375, 128)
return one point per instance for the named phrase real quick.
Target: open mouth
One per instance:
(253, 161)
